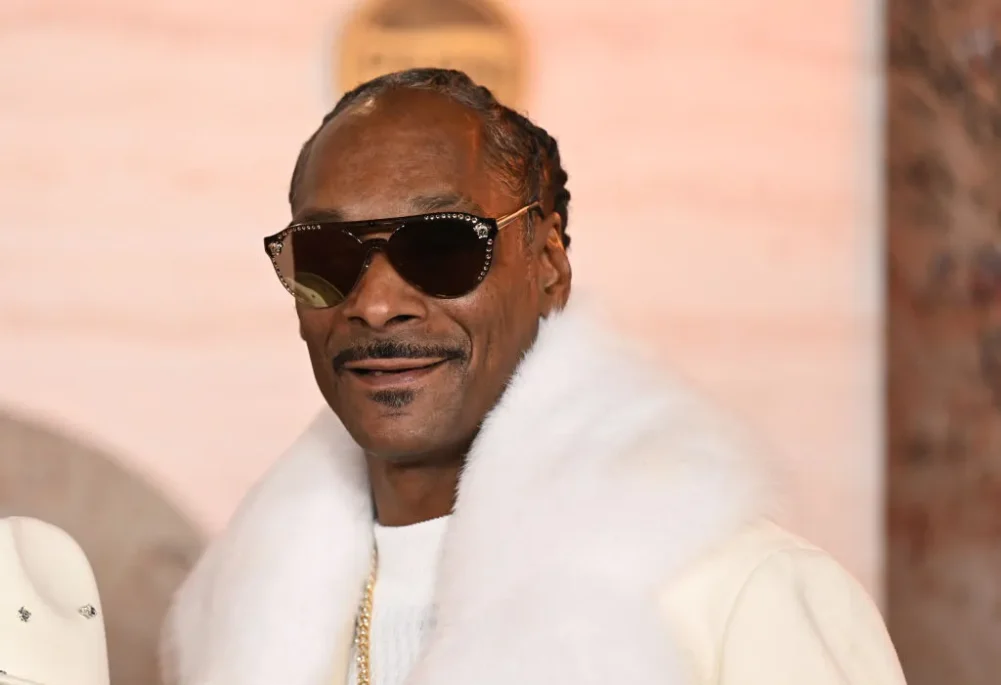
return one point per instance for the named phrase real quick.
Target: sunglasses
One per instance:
(444, 255)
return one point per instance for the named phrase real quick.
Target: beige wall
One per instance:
(718, 154)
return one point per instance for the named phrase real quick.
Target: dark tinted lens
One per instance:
(320, 265)
(442, 257)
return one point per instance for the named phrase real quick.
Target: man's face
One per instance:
(387, 158)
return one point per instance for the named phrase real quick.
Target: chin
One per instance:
(403, 434)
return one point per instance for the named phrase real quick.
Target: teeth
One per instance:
(376, 373)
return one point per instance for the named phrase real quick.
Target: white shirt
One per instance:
(403, 611)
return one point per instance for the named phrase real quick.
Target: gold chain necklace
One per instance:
(363, 625)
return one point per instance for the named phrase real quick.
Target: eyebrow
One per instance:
(448, 201)
(310, 216)
(422, 204)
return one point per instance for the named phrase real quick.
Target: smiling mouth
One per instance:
(394, 373)
(390, 367)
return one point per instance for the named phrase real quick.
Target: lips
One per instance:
(378, 367)
(395, 373)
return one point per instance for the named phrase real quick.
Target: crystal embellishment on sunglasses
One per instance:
(482, 230)
(276, 248)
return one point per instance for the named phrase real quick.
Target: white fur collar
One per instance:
(592, 482)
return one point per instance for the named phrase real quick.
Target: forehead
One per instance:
(388, 155)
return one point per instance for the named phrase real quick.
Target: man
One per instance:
(501, 494)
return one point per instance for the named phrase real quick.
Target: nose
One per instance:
(382, 299)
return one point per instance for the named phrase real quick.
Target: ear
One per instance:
(554, 272)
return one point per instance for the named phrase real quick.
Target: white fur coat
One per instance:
(591, 484)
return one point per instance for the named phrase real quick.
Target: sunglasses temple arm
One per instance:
(505, 220)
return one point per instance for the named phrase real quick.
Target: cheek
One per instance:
(514, 271)
(314, 328)
(507, 321)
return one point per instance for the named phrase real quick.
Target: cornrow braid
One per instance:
(548, 176)
(526, 157)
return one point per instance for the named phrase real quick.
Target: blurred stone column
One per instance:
(944, 340)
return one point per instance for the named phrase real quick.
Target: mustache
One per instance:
(396, 349)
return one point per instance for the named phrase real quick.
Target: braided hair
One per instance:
(525, 156)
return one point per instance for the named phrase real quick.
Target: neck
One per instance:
(407, 494)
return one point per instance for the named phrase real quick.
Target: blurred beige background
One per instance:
(723, 161)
